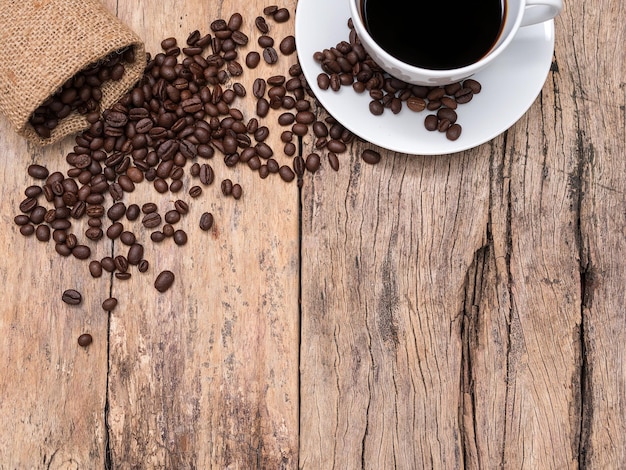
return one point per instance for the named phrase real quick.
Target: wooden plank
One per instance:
(206, 375)
(384, 279)
(53, 391)
(593, 75)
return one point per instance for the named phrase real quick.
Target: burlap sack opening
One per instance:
(46, 42)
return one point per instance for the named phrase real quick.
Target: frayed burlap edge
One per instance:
(53, 40)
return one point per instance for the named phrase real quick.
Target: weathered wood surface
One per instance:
(456, 311)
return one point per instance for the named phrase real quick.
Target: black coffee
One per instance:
(432, 34)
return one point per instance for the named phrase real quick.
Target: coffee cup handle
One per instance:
(538, 11)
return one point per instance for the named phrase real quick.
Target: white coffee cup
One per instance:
(518, 13)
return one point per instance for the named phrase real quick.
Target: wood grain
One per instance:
(458, 311)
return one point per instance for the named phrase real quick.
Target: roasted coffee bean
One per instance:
(227, 187)
(263, 150)
(168, 230)
(85, 340)
(157, 236)
(95, 268)
(108, 264)
(38, 171)
(28, 204)
(270, 10)
(258, 87)
(443, 125)
(286, 173)
(180, 237)
(370, 156)
(286, 119)
(127, 237)
(81, 252)
(464, 95)
(22, 219)
(376, 107)
(270, 55)
(206, 174)
(42, 232)
(143, 266)
(121, 263)
(94, 233)
(172, 217)
(272, 165)
(447, 113)
(333, 161)
(109, 304)
(151, 220)
(237, 191)
(298, 166)
(290, 149)
(415, 103)
(288, 45)
(164, 281)
(449, 102)
(37, 215)
(33, 191)
(262, 107)
(453, 132)
(61, 248)
(313, 162)
(133, 212)
(116, 211)
(261, 25)
(323, 81)
(195, 191)
(149, 207)
(265, 41)
(281, 15)
(473, 85)
(431, 122)
(72, 297)
(206, 221)
(135, 254)
(336, 146)
(181, 206)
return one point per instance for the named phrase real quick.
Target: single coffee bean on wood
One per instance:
(72, 297)
(85, 340)
(164, 281)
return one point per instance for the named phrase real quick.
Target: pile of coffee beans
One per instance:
(81, 93)
(348, 64)
(169, 131)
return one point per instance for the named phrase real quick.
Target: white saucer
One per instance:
(509, 86)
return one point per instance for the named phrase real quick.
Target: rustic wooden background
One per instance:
(454, 311)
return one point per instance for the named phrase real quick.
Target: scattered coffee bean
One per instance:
(72, 297)
(206, 221)
(164, 281)
(109, 304)
(180, 237)
(85, 340)
(370, 156)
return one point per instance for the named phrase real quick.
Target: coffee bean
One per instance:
(265, 41)
(281, 15)
(108, 264)
(206, 221)
(135, 253)
(133, 212)
(72, 297)
(333, 161)
(42, 233)
(151, 220)
(180, 237)
(164, 281)
(261, 25)
(270, 56)
(227, 187)
(473, 85)
(370, 156)
(115, 230)
(116, 211)
(109, 304)
(168, 230)
(195, 191)
(38, 171)
(95, 268)
(312, 162)
(127, 238)
(143, 266)
(262, 107)
(447, 113)
(431, 122)
(288, 45)
(415, 103)
(286, 173)
(123, 276)
(376, 107)
(85, 340)
(157, 236)
(453, 132)
(81, 252)
(206, 174)
(237, 191)
(94, 233)
(253, 59)
(258, 87)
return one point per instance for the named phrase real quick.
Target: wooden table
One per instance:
(462, 310)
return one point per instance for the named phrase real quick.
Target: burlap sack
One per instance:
(46, 42)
